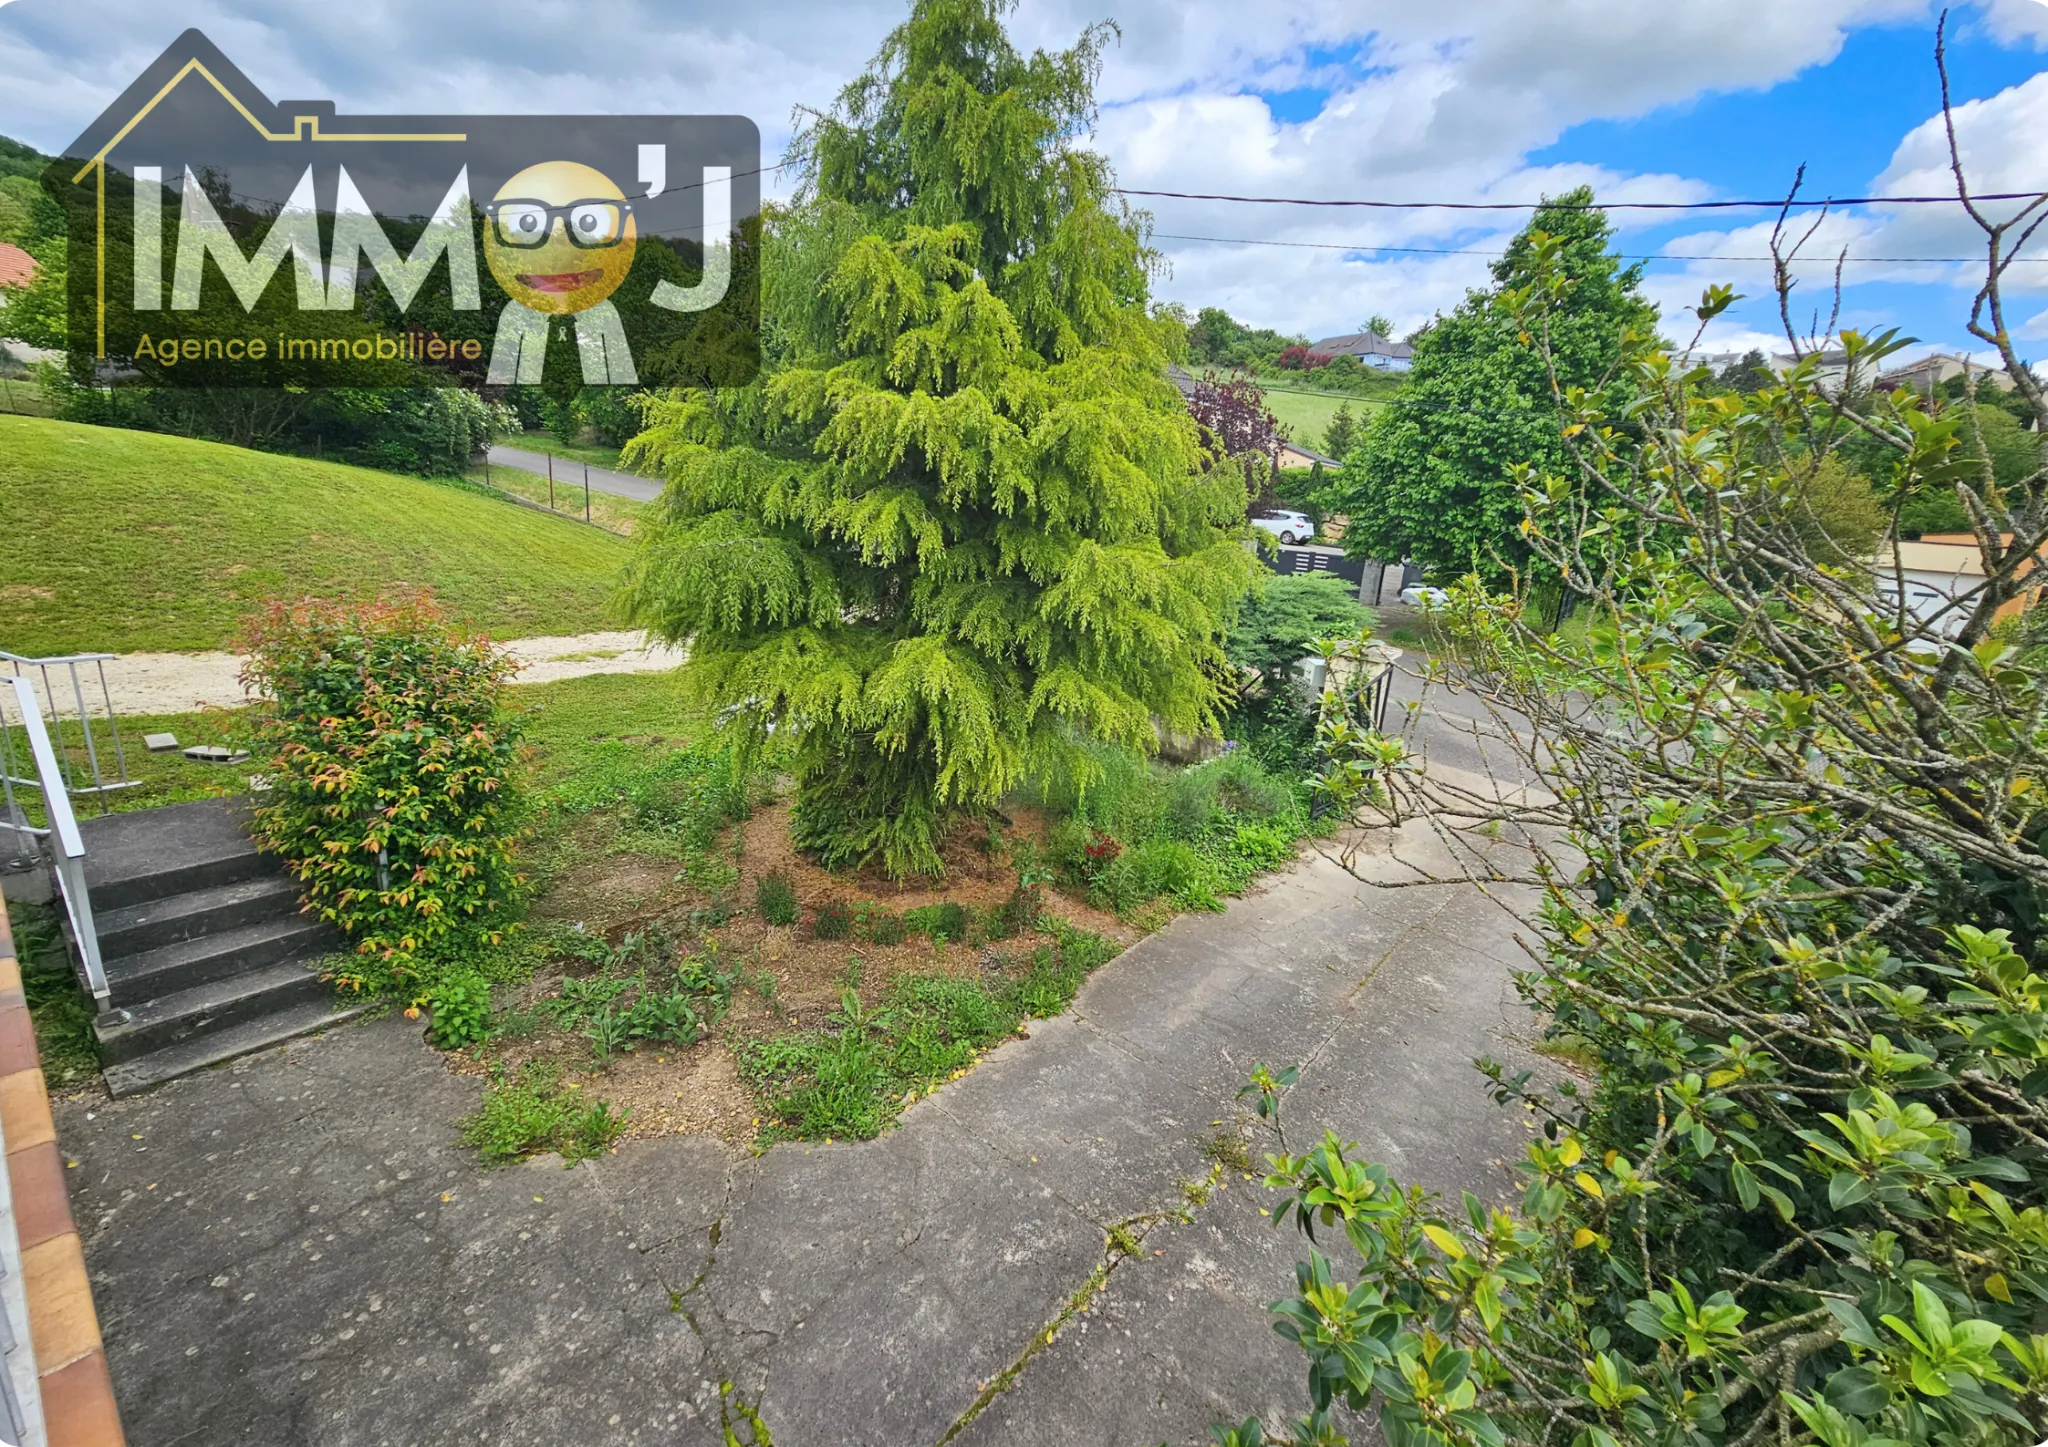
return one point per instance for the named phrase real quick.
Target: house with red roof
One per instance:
(17, 267)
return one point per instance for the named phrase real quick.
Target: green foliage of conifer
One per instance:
(964, 524)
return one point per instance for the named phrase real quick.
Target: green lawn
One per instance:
(1308, 413)
(574, 726)
(118, 541)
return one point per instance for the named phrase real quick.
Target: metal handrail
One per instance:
(74, 778)
(69, 850)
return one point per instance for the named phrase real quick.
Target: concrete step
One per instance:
(184, 964)
(151, 854)
(134, 928)
(200, 1051)
(166, 1021)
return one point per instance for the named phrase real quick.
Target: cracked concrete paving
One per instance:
(294, 1249)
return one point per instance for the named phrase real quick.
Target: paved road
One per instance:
(295, 1250)
(567, 470)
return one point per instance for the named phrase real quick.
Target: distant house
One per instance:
(17, 268)
(1369, 349)
(1940, 571)
(1930, 372)
(1293, 454)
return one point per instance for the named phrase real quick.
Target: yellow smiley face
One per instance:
(559, 237)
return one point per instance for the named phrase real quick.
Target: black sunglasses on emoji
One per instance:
(597, 222)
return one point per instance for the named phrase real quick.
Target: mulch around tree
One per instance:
(697, 1089)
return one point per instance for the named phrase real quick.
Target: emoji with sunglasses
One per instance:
(559, 238)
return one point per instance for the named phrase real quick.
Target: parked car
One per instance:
(1289, 527)
(1421, 595)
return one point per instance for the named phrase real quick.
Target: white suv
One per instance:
(1289, 527)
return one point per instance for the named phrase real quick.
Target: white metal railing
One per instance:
(67, 849)
(97, 775)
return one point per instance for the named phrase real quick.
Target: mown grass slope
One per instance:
(1307, 414)
(119, 541)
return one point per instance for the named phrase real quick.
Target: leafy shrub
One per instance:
(609, 1030)
(391, 761)
(832, 920)
(943, 921)
(459, 1007)
(669, 1018)
(1792, 916)
(1170, 867)
(1280, 624)
(1066, 847)
(1264, 846)
(1101, 852)
(776, 900)
(532, 1112)
(1244, 785)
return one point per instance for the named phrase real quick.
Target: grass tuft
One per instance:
(852, 1079)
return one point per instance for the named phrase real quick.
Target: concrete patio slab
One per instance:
(296, 1249)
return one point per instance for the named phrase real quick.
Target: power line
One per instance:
(1587, 205)
(1815, 259)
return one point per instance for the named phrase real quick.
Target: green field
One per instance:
(572, 726)
(1306, 414)
(118, 541)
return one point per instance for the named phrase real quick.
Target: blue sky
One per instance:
(1512, 101)
(1842, 120)
(1453, 99)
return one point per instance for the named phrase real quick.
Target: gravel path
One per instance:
(147, 683)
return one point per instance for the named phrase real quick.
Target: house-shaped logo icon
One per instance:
(219, 238)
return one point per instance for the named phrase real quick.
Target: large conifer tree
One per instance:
(963, 523)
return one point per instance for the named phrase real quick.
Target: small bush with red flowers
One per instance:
(390, 762)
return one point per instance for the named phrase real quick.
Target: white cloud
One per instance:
(1447, 100)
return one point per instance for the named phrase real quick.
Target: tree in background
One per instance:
(1283, 622)
(1996, 442)
(963, 525)
(1232, 413)
(1748, 376)
(1219, 340)
(32, 221)
(1431, 479)
(1836, 515)
(1341, 435)
(1379, 326)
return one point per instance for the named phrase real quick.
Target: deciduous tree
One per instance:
(1431, 480)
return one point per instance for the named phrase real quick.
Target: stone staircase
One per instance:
(206, 953)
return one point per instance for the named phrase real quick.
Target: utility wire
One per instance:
(1588, 205)
(1815, 259)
